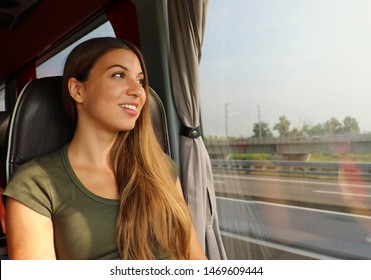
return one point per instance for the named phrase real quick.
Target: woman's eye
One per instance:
(141, 81)
(118, 75)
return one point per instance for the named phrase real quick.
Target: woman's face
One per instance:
(113, 96)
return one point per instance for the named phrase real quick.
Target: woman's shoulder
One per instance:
(36, 171)
(36, 165)
(31, 183)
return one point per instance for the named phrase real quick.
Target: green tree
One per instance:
(333, 126)
(295, 132)
(350, 126)
(305, 130)
(316, 130)
(283, 126)
(261, 130)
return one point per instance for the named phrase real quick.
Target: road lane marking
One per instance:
(342, 193)
(277, 246)
(286, 181)
(292, 207)
(218, 182)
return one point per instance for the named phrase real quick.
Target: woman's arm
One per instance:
(29, 234)
(196, 251)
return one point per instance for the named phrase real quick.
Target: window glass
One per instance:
(54, 66)
(285, 87)
(2, 97)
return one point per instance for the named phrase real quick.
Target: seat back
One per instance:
(39, 125)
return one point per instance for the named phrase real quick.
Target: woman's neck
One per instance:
(90, 160)
(91, 149)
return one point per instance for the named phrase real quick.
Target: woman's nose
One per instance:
(135, 88)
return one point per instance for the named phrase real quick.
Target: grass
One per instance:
(250, 156)
(312, 158)
(340, 158)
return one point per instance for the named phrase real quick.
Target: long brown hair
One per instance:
(153, 219)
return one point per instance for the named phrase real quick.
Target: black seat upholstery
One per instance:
(39, 125)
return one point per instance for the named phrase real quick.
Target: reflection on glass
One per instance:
(292, 162)
(2, 98)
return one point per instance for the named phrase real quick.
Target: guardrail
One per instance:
(291, 146)
(295, 168)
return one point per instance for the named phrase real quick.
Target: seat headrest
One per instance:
(40, 126)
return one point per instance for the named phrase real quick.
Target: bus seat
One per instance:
(4, 121)
(39, 125)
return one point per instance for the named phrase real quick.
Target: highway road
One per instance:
(296, 191)
(283, 217)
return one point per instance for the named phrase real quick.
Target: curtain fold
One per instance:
(186, 27)
(123, 18)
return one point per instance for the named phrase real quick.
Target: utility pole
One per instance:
(260, 125)
(226, 119)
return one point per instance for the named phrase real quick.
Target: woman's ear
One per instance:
(76, 88)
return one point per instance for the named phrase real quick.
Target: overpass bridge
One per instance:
(295, 148)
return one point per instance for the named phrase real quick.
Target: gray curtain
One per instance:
(187, 24)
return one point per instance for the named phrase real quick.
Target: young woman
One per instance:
(111, 192)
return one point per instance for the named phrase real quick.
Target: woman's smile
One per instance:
(131, 109)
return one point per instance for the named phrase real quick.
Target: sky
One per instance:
(309, 60)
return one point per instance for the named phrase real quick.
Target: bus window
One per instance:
(54, 65)
(2, 98)
(284, 95)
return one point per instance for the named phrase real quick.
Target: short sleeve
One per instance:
(30, 187)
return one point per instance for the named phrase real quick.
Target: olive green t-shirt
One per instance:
(84, 223)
